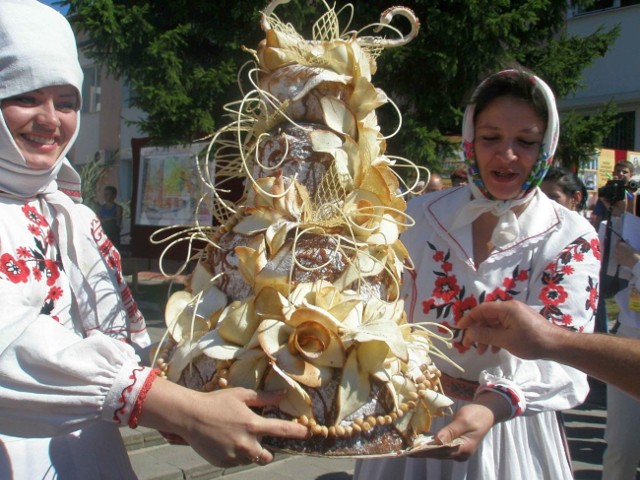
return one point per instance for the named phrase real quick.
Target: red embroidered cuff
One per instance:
(509, 395)
(137, 408)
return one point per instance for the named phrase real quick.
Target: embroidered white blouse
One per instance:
(63, 380)
(552, 266)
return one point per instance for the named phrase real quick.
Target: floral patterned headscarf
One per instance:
(549, 141)
(507, 229)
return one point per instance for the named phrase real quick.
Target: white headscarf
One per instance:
(37, 49)
(507, 228)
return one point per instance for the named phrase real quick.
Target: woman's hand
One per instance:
(220, 426)
(470, 424)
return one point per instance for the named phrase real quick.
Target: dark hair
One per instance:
(624, 163)
(112, 189)
(460, 173)
(569, 183)
(517, 84)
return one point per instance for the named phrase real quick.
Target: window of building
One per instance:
(91, 89)
(599, 5)
(622, 136)
(127, 94)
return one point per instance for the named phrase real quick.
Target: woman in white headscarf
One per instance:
(506, 240)
(70, 332)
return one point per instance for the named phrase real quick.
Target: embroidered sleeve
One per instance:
(569, 291)
(137, 407)
(513, 396)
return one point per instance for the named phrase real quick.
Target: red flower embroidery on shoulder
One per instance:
(16, 270)
(553, 295)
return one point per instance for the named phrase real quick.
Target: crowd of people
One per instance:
(516, 266)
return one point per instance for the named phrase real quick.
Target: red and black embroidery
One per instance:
(34, 260)
(553, 295)
(449, 298)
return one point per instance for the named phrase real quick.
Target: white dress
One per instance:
(552, 266)
(66, 384)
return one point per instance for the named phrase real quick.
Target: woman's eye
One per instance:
(66, 106)
(23, 100)
(529, 143)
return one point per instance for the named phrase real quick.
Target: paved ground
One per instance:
(153, 459)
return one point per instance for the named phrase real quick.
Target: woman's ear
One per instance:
(576, 198)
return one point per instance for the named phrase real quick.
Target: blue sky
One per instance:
(50, 2)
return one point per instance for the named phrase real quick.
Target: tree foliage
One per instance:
(182, 56)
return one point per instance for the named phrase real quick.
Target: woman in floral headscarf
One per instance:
(70, 332)
(506, 240)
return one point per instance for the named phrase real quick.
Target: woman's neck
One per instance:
(482, 230)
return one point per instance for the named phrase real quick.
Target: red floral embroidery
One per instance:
(553, 295)
(16, 270)
(35, 260)
(51, 271)
(54, 293)
(498, 294)
(34, 216)
(449, 299)
(427, 305)
(463, 306)
(446, 288)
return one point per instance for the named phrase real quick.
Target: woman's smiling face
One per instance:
(508, 137)
(42, 123)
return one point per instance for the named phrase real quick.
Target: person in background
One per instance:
(71, 335)
(563, 186)
(495, 239)
(621, 171)
(435, 183)
(459, 177)
(622, 454)
(110, 215)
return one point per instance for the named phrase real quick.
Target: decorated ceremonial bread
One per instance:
(299, 287)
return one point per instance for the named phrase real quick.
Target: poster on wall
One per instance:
(169, 187)
(606, 161)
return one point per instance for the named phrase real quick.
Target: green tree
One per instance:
(182, 57)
